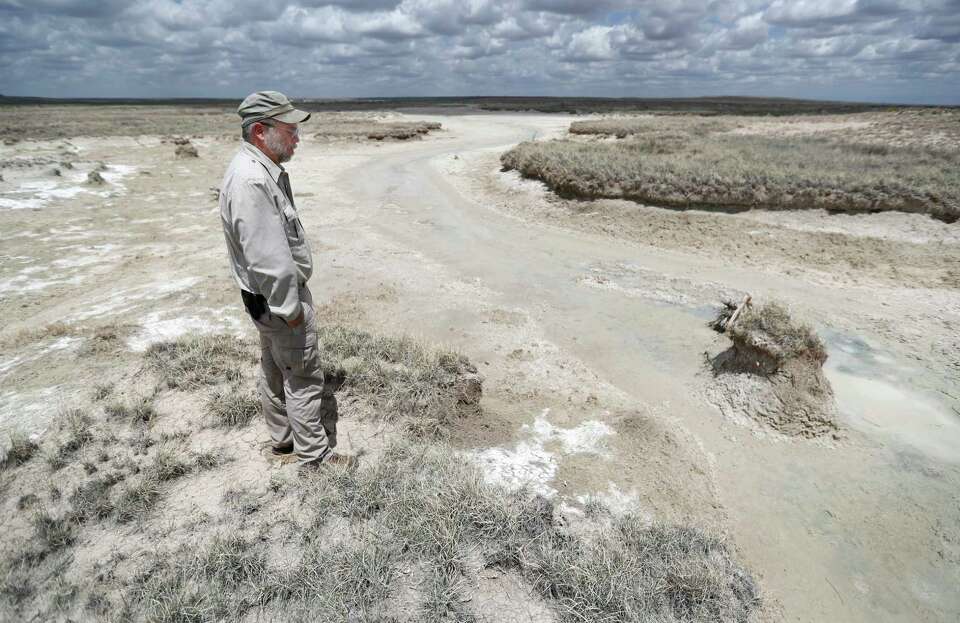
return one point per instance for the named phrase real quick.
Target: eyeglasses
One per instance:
(293, 130)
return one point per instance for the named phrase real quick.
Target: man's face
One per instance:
(281, 139)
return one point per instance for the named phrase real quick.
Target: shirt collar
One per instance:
(272, 167)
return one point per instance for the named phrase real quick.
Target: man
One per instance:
(271, 262)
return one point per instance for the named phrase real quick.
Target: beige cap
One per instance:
(269, 105)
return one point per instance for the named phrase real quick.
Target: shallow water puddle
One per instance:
(873, 392)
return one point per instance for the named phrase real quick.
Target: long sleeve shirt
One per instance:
(268, 250)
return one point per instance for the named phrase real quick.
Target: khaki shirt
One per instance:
(269, 252)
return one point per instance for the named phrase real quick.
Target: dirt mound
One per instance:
(773, 372)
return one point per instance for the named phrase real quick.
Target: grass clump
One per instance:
(197, 360)
(233, 408)
(91, 499)
(102, 391)
(139, 411)
(76, 426)
(53, 533)
(768, 333)
(728, 171)
(21, 450)
(137, 499)
(401, 377)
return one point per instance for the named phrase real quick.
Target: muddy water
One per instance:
(877, 395)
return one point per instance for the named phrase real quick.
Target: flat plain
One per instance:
(606, 473)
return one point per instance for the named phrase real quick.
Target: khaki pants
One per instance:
(296, 407)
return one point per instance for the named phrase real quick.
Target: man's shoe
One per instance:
(281, 450)
(342, 461)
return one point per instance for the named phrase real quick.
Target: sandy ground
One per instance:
(586, 318)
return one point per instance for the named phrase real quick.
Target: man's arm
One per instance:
(262, 237)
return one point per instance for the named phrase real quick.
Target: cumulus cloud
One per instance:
(892, 50)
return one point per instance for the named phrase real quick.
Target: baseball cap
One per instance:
(269, 105)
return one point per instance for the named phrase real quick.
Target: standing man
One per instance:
(271, 263)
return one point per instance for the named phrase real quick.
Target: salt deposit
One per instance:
(530, 464)
(162, 326)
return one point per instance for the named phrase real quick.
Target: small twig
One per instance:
(834, 590)
(736, 313)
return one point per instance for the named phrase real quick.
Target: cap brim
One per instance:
(293, 116)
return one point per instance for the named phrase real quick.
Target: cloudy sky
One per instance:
(871, 50)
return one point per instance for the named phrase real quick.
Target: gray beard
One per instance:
(275, 144)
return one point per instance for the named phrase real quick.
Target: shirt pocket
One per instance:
(291, 222)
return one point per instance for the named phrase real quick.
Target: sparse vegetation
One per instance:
(418, 522)
(233, 407)
(104, 340)
(196, 360)
(422, 507)
(139, 411)
(76, 427)
(695, 167)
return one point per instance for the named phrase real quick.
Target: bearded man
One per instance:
(271, 263)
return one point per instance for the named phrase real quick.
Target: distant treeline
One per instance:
(728, 105)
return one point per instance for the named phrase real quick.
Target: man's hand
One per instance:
(296, 322)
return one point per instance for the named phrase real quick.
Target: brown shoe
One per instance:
(342, 461)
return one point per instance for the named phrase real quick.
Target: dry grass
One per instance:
(352, 128)
(196, 360)
(426, 388)
(234, 407)
(664, 128)
(20, 451)
(75, 429)
(104, 340)
(139, 410)
(789, 357)
(403, 537)
(423, 508)
(770, 330)
(697, 167)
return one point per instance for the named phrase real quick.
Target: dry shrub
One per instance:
(687, 170)
(769, 344)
